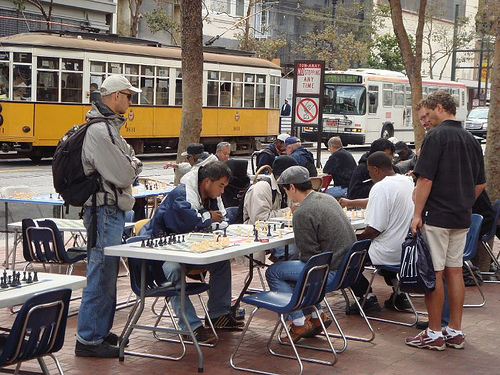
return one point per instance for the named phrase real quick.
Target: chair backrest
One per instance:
(472, 237)
(139, 224)
(154, 273)
(59, 248)
(310, 286)
(496, 209)
(41, 244)
(327, 178)
(231, 213)
(317, 183)
(351, 266)
(261, 170)
(25, 224)
(39, 327)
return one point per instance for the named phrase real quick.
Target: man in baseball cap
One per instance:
(117, 83)
(302, 156)
(319, 225)
(272, 151)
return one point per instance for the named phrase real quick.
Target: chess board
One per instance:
(356, 214)
(25, 279)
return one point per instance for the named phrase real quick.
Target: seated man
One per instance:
(319, 225)
(302, 156)
(192, 206)
(272, 151)
(340, 165)
(223, 151)
(265, 199)
(195, 155)
(388, 217)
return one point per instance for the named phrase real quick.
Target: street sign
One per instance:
(306, 111)
(308, 76)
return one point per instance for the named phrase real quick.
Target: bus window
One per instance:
(249, 93)
(343, 99)
(399, 95)
(178, 87)
(237, 90)
(425, 91)
(4, 75)
(387, 94)
(260, 100)
(373, 98)
(162, 85)
(408, 96)
(225, 89)
(213, 89)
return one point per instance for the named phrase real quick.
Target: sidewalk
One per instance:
(387, 354)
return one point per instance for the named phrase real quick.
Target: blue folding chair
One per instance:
(231, 214)
(156, 286)
(470, 252)
(487, 237)
(309, 290)
(38, 330)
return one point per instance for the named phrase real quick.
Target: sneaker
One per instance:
(203, 335)
(103, 350)
(225, 322)
(112, 339)
(401, 302)
(422, 340)
(371, 305)
(297, 332)
(317, 325)
(457, 341)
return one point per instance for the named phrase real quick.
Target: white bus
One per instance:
(361, 105)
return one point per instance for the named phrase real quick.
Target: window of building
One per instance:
(240, 8)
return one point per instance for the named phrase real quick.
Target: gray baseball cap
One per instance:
(294, 175)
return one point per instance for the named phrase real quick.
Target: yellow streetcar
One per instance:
(48, 81)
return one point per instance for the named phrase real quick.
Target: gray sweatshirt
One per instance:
(320, 225)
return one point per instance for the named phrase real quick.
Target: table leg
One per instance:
(249, 279)
(6, 236)
(137, 313)
(184, 318)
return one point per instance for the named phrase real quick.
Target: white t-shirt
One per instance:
(389, 211)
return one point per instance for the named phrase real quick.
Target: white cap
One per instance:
(282, 137)
(115, 83)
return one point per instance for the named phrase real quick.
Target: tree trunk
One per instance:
(492, 161)
(192, 74)
(412, 60)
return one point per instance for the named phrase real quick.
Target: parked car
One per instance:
(477, 121)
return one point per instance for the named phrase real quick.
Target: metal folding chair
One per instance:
(470, 251)
(487, 237)
(38, 330)
(308, 291)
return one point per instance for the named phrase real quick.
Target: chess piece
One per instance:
(225, 232)
(30, 280)
(3, 284)
(50, 195)
(24, 276)
(35, 277)
(256, 232)
(280, 233)
(143, 243)
(183, 239)
(10, 280)
(269, 230)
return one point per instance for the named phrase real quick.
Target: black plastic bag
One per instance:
(417, 271)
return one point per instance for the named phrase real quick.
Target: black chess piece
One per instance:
(3, 283)
(156, 243)
(30, 280)
(183, 238)
(10, 280)
(283, 225)
(24, 276)
(275, 227)
(269, 234)
(256, 233)
(225, 232)
(18, 278)
(143, 244)
(35, 277)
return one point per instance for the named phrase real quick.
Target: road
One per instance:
(38, 177)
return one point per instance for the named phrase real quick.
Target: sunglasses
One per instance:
(129, 96)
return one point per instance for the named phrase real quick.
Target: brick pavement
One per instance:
(387, 354)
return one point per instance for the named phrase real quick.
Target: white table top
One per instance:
(65, 225)
(46, 281)
(134, 250)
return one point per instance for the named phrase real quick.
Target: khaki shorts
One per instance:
(446, 246)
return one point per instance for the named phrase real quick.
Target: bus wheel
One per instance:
(387, 131)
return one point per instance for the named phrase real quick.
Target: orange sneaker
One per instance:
(297, 332)
(317, 325)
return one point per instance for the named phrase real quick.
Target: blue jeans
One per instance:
(337, 192)
(279, 252)
(280, 275)
(97, 309)
(219, 302)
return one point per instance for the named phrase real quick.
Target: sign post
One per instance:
(307, 105)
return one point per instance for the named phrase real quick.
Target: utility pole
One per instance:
(454, 54)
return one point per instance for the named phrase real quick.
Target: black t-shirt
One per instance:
(453, 160)
(340, 165)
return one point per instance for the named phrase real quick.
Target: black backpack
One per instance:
(69, 178)
(239, 213)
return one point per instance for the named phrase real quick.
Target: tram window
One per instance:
(22, 82)
(260, 100)
(162, 91)
(72, 92)
(4, 80)
(134, 80)
(72, 64)
(147, 70)
(178, 87)
(131, 69)
(97, 67)
(387, 94)
(48, 86)
(162, 71)
(147, 91)
(48, 63)
(115, 68)
(213, 93)
(22, 57)
(225, 89)
(237, 94)
(275, 92)
(249, 91)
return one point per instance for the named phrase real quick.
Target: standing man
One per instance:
(319, 225)
(450, 173)
(105, 152)
(340, 165)
(272, 151)
(223, 151)
(286, 109)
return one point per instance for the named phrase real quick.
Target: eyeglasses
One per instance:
(129, 96)
(423, 118)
